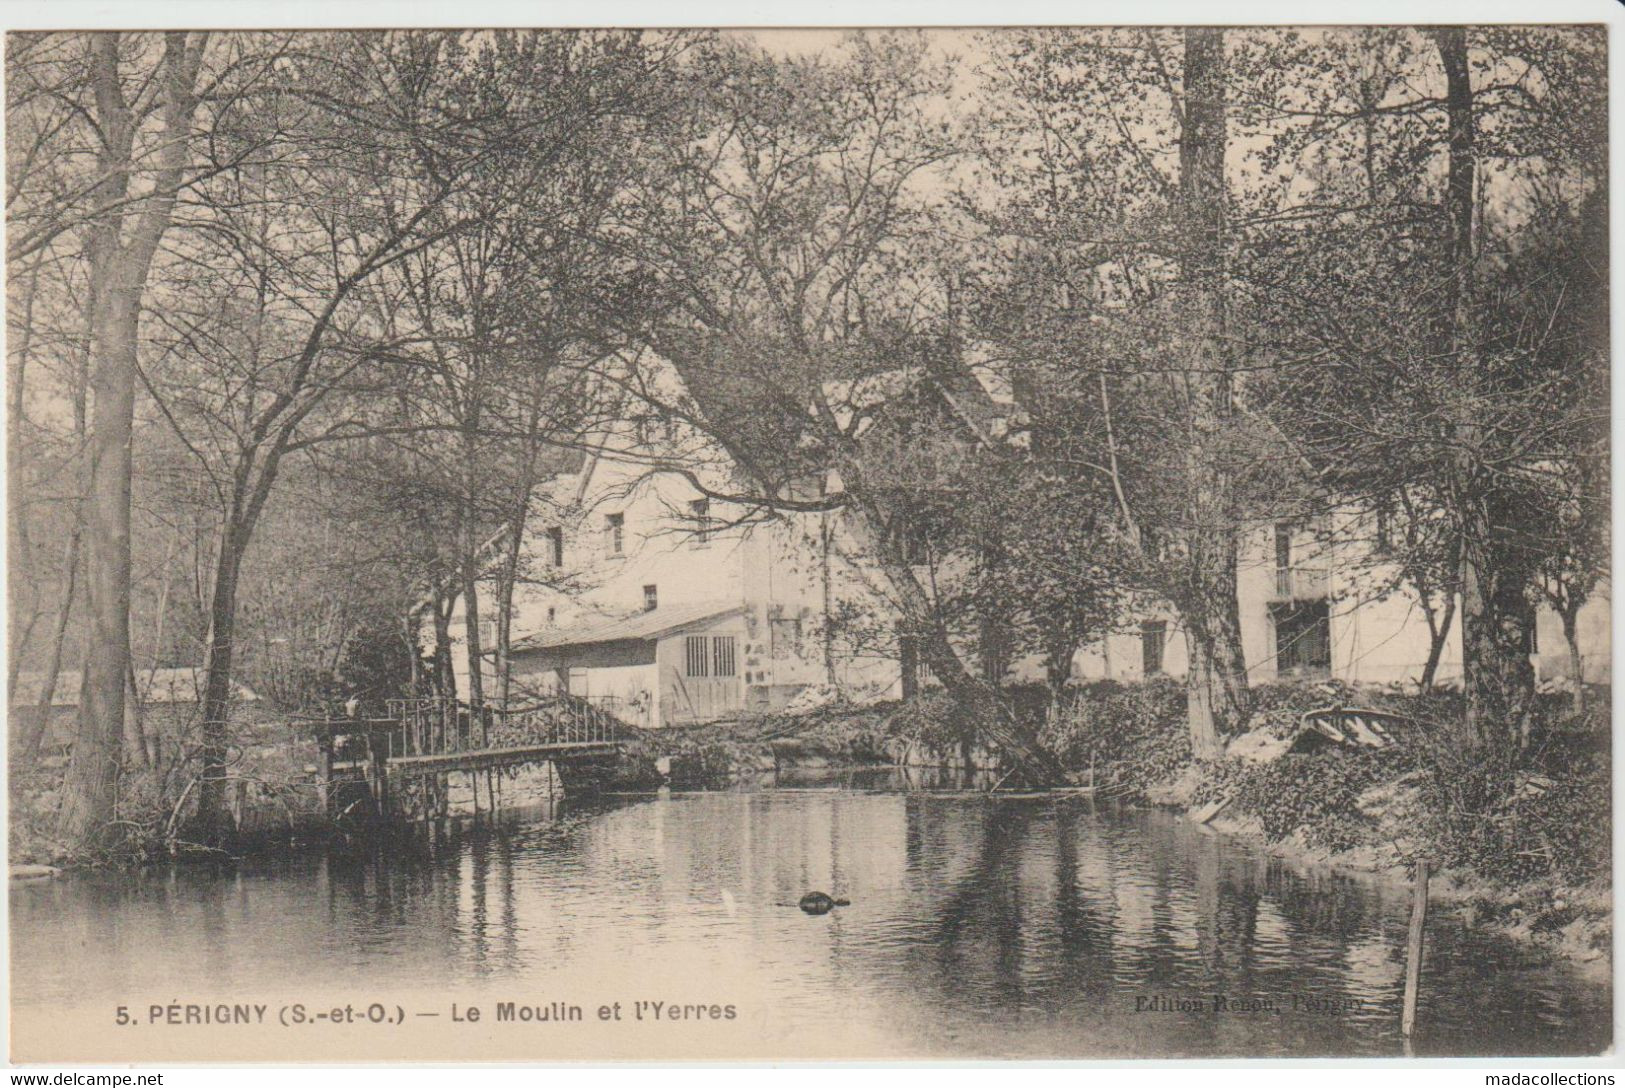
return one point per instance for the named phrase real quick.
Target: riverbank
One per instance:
(1521, 849)
(1520, 846)
(273, 798)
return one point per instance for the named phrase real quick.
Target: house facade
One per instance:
(669, 608)
(1319, 603)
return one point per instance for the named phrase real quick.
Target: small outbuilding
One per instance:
(170, 700)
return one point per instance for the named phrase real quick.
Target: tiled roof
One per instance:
(642, 627)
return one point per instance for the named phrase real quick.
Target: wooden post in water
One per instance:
(1413, 948)
(378, 771)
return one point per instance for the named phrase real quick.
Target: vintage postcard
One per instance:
(1019, 542)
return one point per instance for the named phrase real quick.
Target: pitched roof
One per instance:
(154, 687)
(642, 627)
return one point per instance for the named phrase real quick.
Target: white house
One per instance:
(1314, 605)
(670, 608)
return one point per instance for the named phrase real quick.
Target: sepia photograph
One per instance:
(727, 544)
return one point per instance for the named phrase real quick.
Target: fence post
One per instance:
(324, 769)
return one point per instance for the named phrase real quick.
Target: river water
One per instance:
(977, 927)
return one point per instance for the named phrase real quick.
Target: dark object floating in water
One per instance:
(819, 903)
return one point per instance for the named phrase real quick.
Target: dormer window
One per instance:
(615, 534)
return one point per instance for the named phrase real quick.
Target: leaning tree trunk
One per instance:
(53, 664)
(1438, 638)
(1217, 694)
(979, 703)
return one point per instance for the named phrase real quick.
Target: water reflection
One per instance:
(977, 927)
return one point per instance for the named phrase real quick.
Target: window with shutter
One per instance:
(722, 654)
(695, 658)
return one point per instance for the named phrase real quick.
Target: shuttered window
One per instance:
(696, 660)
(722, 655)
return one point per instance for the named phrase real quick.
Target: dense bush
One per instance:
(931, 719)
(1317, 794)
(1512, 817)
(1135, 733)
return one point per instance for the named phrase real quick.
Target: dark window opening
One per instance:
(651, 598)
(1153, 637)
(1283, 546)
(908, 661)
(555, 546)
(615, 534)
(784, 636)
(1384, 515)
(700, 511)
(916, 546)
(1303, 642)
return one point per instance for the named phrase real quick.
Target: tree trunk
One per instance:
(504, 667)
(471, 628)
(21, 551)
(1496, 618)
(87, 792)
(1571, 636)
(212, 821)
(118, 273)
(978, 703)
(445, 678)
(1217, 696)
(53, 664)
(1058, 668)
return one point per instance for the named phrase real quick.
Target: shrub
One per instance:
(932, 719)
(1483, 811)
(1136, 733)
(1317, 794)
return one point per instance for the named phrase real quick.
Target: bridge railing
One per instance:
(561, 719)
(439, 726)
